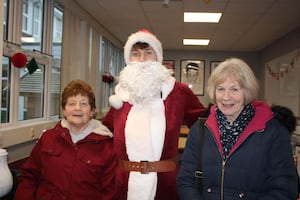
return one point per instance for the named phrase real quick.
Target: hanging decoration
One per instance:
(284, 69)
(32, 66)
(19, 60)
(107, 77)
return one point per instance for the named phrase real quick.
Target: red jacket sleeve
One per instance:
(193, 107)
(28, 179)
(108, 119)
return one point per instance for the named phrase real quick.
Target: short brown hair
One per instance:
(76, 87)
(139, 45)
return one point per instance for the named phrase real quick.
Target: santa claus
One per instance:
(147, 111)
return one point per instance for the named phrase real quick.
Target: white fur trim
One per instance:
(145, 189)
(167, 87)
(99, 128)
(115, 101)
(95, 126)
(144, 136)
(147, 37)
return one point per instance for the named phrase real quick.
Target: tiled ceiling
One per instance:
(246, 25)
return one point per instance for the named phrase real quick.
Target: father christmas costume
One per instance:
(147, 111)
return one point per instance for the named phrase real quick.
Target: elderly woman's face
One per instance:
(78, 112)
(230, 98)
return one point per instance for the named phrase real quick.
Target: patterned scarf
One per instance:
(230, 132)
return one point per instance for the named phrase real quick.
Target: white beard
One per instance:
(143, 80)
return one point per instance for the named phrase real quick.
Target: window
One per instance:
(57, 25)
(31, 93)
(5, 20)
(111, 63)
(32, 24)
(5, 89)
(104, 91)
(31, 96)
(30, 102)
(37, 21)
(56, 60)
(25, 24)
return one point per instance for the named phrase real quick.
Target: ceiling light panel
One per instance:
(204, 17)
(195, 41)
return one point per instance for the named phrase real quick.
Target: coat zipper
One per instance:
(222, 180)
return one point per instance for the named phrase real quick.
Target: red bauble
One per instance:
(19, 60)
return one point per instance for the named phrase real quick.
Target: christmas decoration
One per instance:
(285, 68)
(107, 78)
(19, 60)
(32, 66)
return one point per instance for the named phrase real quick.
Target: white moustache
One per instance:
(143, 80)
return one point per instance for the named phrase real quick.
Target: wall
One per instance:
(18, 141)
(283, 46)
(283, 51)
(282, 78)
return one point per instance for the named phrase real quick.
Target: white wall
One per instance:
(280, 52)
(282, 81)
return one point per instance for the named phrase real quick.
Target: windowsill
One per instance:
(14, 135)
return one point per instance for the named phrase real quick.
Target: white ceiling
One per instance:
(246, 25)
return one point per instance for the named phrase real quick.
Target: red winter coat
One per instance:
(58, 169)
(181, 107)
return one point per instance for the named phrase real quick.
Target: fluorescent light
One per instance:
(202, 17)
(195, 41)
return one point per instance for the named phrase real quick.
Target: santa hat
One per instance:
(146, 37)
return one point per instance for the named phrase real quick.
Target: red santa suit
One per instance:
(148, 130)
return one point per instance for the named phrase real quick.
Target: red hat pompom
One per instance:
(19, 60)
(145, 31)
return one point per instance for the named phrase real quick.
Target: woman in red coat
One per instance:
(74, 160)
(147, 111)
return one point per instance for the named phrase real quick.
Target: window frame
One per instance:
(13, 45)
